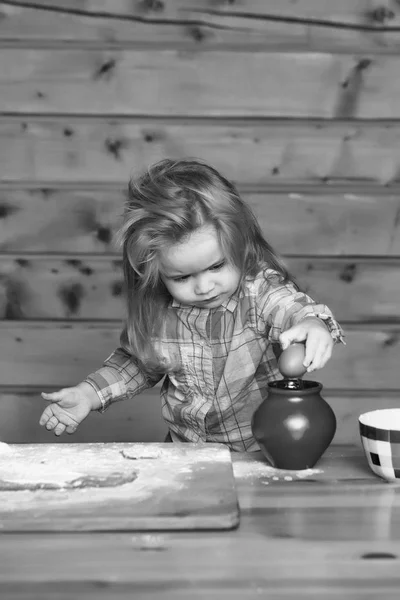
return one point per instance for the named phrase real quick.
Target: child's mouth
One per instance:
(209, 299)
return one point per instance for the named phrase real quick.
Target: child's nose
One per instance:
(203, 285)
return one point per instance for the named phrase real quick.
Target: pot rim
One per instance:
(279, 386)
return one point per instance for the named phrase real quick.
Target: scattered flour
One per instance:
(251, 469)
(5, 449)
(204, 453)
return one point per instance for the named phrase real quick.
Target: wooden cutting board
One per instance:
(117, 486)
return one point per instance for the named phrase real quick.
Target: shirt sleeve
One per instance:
(281, 306)
(119, 377)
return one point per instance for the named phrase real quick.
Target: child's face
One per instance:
(196, 271)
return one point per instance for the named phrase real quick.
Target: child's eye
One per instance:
(218, 266)
(214, 268)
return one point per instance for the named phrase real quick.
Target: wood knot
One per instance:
(6, 210)
(117, 288)
(351, 89)
(380, 15)
(363, 64)
(114, 147)
(105, 70)
(391, 340)
(22, 262)
(73, 262)
(153, 5)
(197, 33)
(104, 235)
(348, 273)
(78, 264)
(378, 555)
(15, 296)
(71, 297)
(152, 136)
(46, 193)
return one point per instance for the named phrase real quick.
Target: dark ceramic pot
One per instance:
(294, 425)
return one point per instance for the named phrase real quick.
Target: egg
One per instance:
(290, 361)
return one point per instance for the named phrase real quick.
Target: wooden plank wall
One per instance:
(297, 102)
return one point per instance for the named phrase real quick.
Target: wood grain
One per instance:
(42, 287)
(251, 152)
(186, 83)
(351, 11)
(221, 591)
(61, 354)
(335, 536)
(295, 102)
(307, 24)
(310, 222)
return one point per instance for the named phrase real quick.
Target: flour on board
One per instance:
(76, 473)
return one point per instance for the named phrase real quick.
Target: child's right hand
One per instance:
(68, 408)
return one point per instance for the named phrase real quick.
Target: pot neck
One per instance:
(283, 387)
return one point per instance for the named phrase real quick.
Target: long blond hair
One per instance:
(167, 203)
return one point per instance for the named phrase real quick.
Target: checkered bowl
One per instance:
(380, 437)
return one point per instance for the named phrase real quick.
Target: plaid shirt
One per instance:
(225, 358)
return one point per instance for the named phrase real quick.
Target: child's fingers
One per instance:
(310, 353)
(321, 357)
(51, 423)
(71, 429)
(325, 356)
(315, 363)
(294, 334)
(53, 396)
(59, 429)
(46, 415)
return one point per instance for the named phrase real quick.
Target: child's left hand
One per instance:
(318, 341)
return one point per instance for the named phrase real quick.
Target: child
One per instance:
(208, 302)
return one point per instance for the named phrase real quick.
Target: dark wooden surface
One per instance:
(334, 534)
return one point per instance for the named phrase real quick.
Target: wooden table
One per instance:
(335, 534)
